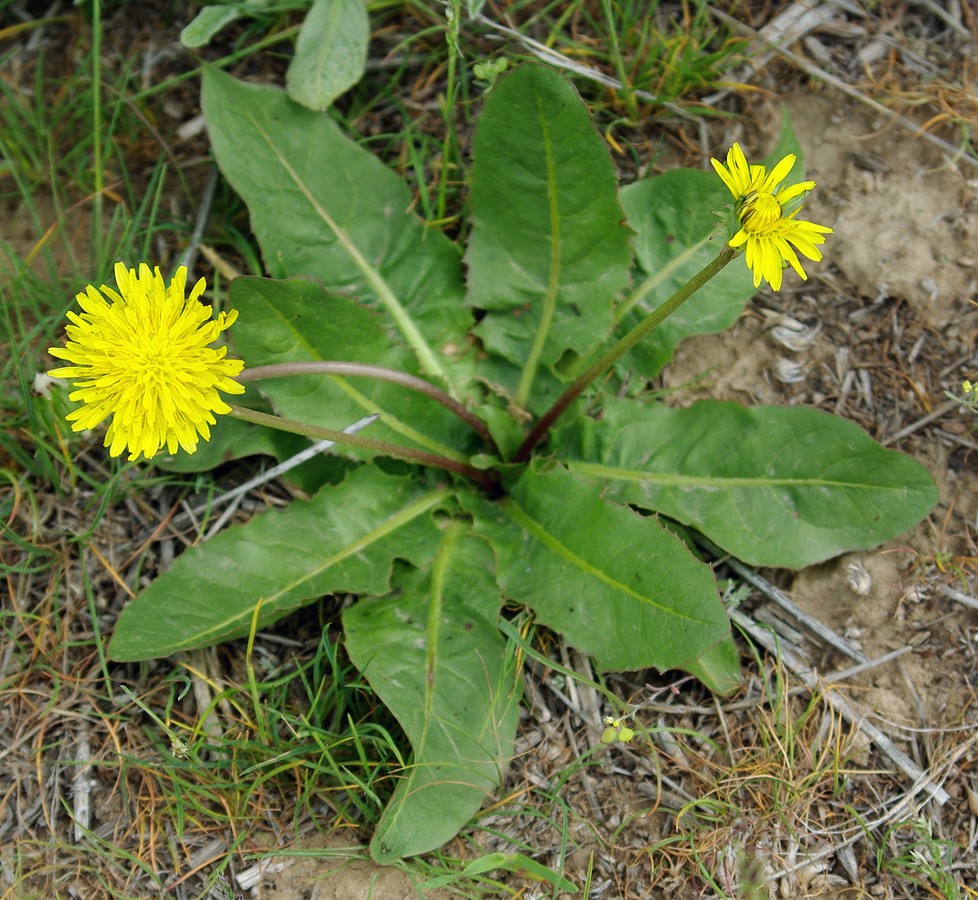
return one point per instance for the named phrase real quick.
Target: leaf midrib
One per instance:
(554, 270)
(426, 357)
(673, 479)
(538, 531)
(391, 524)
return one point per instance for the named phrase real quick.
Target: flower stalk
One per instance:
(366, 370)
(608, 359)
(145, 356)
(486, 479)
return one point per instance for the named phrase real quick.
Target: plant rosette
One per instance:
(531, 472)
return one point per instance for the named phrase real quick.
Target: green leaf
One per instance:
(507, 862)
(719, 667)
(344, 539)
(548, 250)
(211, 19)
(675, 219)
(298, 321)
(434, 656)
(774, 486)
(322, 206)
(330, 52)
(617, 585)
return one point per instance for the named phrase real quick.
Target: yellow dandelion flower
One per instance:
(766, 212)
(141, 355)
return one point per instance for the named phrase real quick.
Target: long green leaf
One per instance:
(617, 585)
(346, 538)
(330, 52)
(209, 21)
(507, 862)
(548, 250)
(435, 657)
(322, 206)
(773, 486)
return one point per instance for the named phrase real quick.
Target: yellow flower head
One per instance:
(141, 355)
(766, 212)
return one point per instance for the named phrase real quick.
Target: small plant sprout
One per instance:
(179, 748)
(514, 379)
(968, 397)
(616, 730)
